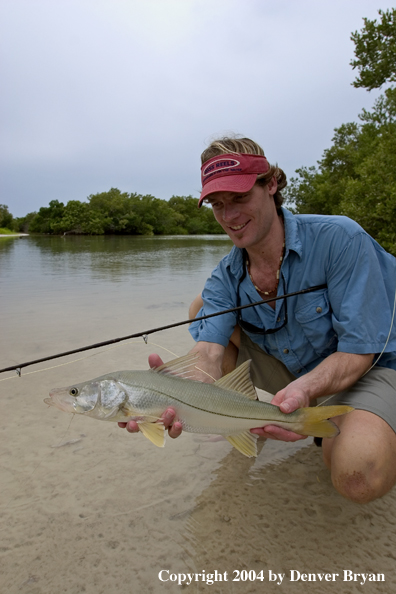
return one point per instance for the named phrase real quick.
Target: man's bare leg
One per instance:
(362, 458)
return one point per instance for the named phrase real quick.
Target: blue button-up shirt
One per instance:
(352, 315)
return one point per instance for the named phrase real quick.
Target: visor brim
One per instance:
(228, 183)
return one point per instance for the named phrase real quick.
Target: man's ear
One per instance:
(272, 186)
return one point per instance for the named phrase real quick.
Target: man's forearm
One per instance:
(210, 360)
(337, 372)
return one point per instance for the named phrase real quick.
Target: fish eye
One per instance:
(73, 391)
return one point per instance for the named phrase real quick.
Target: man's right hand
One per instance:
(168, 417)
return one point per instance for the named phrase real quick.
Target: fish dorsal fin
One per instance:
(239, 380)
(155, 432)
(264, 396)
(183, 367)
(245, 442)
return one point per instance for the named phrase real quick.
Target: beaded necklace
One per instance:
(277, 274)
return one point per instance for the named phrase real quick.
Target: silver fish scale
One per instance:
(151, 393)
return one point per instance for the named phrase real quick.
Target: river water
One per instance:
(87, 507)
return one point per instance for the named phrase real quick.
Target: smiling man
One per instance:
(338, 341)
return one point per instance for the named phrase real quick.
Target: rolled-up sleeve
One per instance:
(361, 306)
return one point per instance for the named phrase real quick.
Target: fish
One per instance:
(227, 407)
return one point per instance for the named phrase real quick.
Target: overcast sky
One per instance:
(127, 93)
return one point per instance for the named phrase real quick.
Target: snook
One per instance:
(227, 407)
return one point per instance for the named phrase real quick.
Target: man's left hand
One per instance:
(289, 399)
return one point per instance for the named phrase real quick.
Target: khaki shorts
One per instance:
(374, 392)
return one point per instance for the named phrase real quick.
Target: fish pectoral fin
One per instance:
(245, 442)
(155, 432)
(239, 380)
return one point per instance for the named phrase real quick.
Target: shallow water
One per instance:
(86, 507)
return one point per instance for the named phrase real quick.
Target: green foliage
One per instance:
(114, 212)
(357, 175)
(6, 218)
(375, 51)
(47, 218)
(22, 224)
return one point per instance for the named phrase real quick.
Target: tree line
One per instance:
(116, 212)
(356, 176)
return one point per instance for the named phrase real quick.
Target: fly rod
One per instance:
(145, 333)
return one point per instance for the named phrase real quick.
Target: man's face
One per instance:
(246, 218)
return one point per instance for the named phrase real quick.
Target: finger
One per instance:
(275, 432)
(290, 404)
(175, 430)
(155, 361)
(168, 417)
(132, 427)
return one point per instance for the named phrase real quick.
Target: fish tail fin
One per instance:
(315, 421)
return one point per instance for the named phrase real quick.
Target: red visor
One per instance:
(231, 173)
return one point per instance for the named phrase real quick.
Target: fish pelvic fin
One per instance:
(244, 442)
(239, 380)
(315, 421)
(155, 432)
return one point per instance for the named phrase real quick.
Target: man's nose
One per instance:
(230, 212)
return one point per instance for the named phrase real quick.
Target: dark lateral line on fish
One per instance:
(144, 334)
(291, 418)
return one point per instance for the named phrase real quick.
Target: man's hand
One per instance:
(289, 399)
(168, 417)
(337, 372)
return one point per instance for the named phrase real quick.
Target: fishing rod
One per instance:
(146, 333)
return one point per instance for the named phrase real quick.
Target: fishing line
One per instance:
(88, 357)
(379, 356)
(145, 334)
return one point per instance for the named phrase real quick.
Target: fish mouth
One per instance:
(49, 401)
(60, 399)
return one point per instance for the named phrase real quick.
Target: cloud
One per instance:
(125, 93)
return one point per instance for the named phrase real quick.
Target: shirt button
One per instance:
(318, 310)
(299, 370)
(278, 319)
(286, 351)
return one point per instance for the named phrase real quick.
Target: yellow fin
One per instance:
(239, 380)
(155, 432)
(314, 421)
(181, 367)
(245, 442)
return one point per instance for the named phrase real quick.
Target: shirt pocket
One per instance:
(314, 315)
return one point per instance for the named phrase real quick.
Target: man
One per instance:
(312, 345)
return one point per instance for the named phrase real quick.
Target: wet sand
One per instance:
(88, 508)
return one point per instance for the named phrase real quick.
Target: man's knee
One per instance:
(361, 458)
(358, 486)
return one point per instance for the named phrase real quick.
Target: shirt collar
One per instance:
(293, 242)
